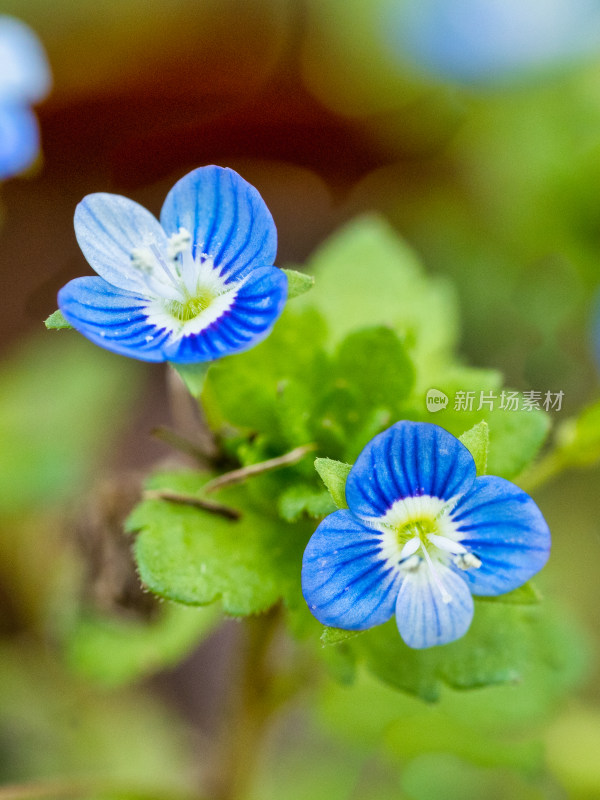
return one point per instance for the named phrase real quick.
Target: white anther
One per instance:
(410, 547)
(143, 259)
(467, 561)
(446, 544)
(178, 243)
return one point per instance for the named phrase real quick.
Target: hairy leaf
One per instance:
(56, 322)
(196, 557)
(334, 475)
(477, 440)
(298, 283)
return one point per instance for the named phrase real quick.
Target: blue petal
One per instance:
(19, 139)
(407, 460)
(345, 581)
(253, 313)
(227, 218)
(503, 526)
(111, 318)
(24, 72)
(424, 619)
(108, 228)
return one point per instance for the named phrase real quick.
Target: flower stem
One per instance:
(251, 705)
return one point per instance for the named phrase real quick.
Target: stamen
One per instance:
(446, 544)
(410, 547)
(407, 558)
(159, 258)
(178, 243)
(142, 259)
(446, 598)
(467, 560)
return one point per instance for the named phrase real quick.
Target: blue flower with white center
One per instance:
(24, 80)
(422, 534)
(197, 286)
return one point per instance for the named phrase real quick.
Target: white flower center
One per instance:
(185, 293)
(418, 534)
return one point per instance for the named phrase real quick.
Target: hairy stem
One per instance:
(192, 500)
(239, 475)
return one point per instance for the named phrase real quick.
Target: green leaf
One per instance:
(505, 643)
(298, 282)
(337, 635)
(195, 557)
(515, 437)
(515, 440)
(334, 475)
(301, 499)
(272, 387)
(525, 595)
(375, 363)
(193, 375)
(114, 651)
(578, 440)
(477, 440)
(56, 322)
(367, 275)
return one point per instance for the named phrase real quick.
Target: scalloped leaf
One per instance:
(194, 557)
(505, 643)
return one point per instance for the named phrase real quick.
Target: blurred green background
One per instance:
(323, 105)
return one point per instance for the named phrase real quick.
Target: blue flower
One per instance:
(197, 286)
(421, 536)
(24, 79)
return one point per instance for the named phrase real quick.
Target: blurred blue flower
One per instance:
(24, 79)
(421, 536)
(197, 286)
(493, 41)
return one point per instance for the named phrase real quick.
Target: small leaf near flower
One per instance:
(298, 282)
(193, 376)
(336, 635)
(477, 440)
(56, 322)
(334, 474)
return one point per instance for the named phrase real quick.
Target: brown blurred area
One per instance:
(144, 92)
